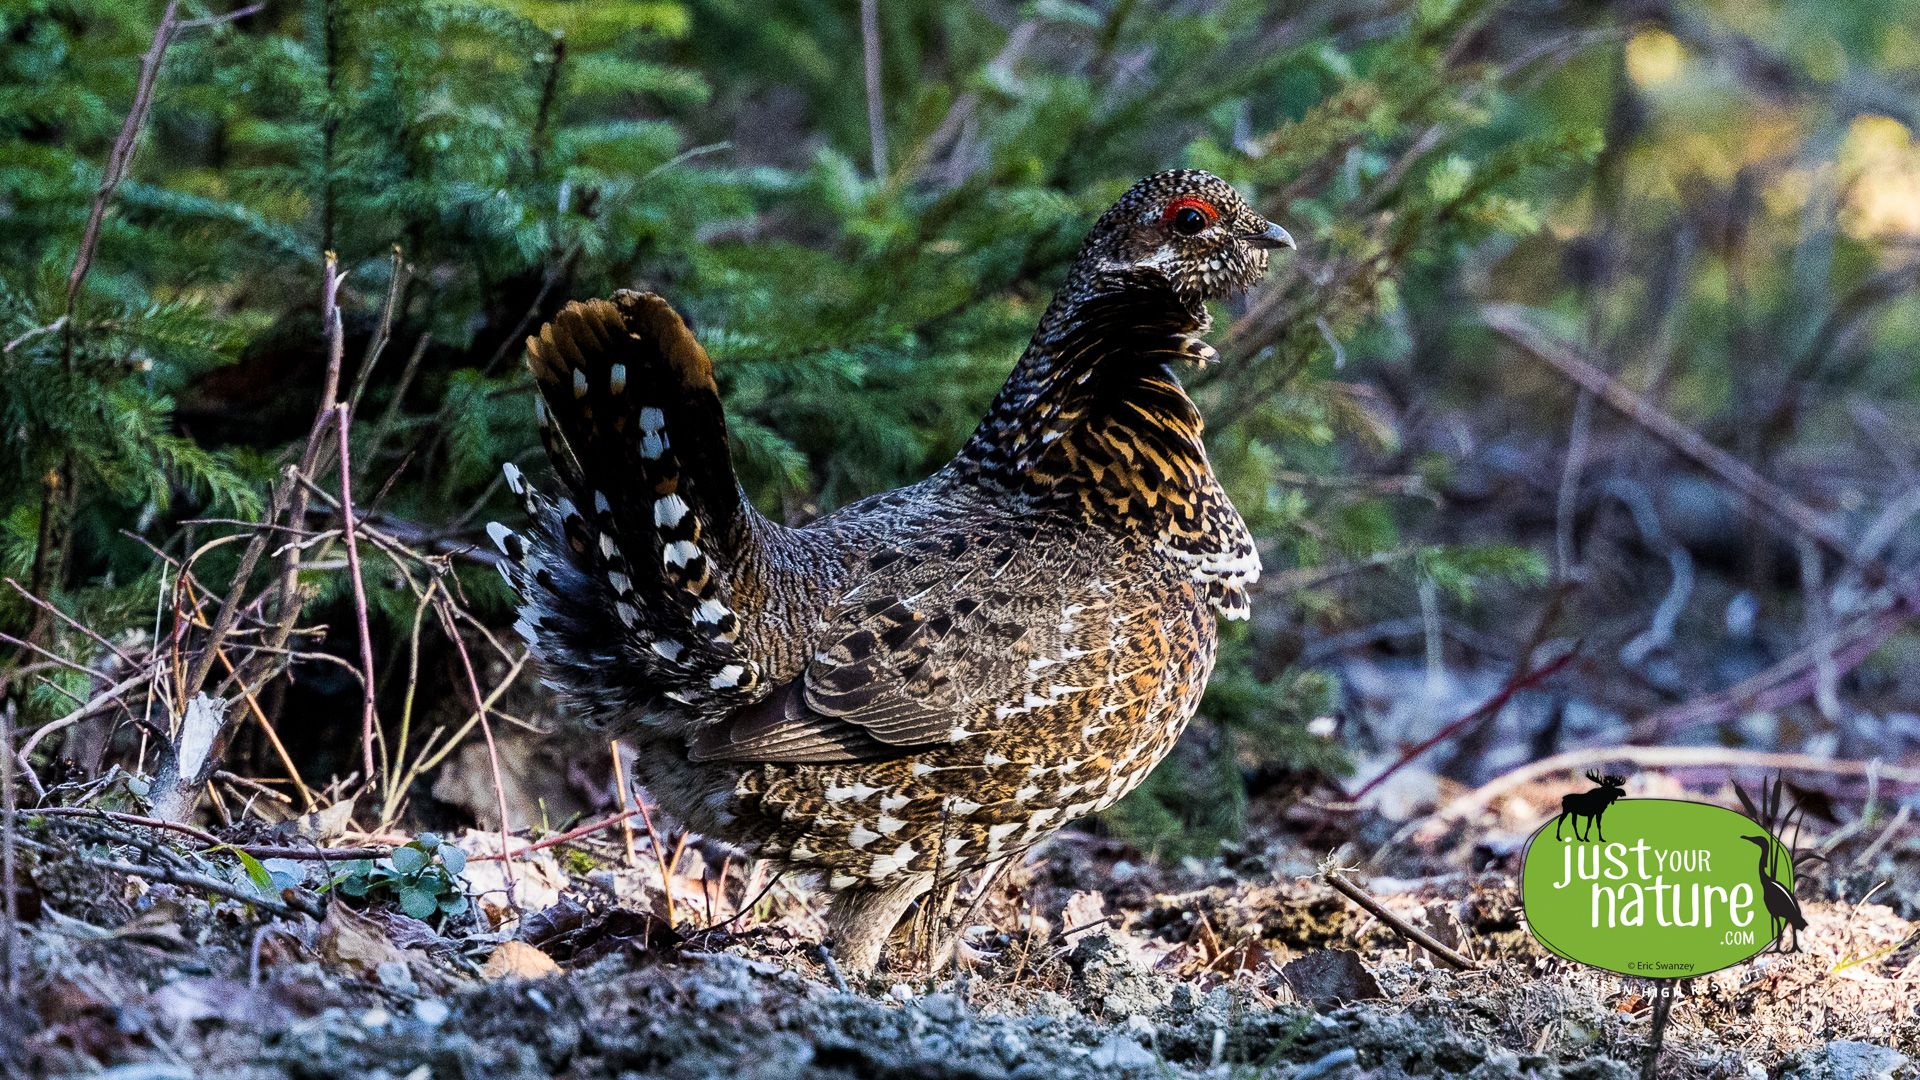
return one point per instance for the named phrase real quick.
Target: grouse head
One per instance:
(1185, 226)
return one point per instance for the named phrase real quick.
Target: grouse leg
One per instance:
(861, 919)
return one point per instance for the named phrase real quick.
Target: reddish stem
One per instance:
(1493, 705)
(493, 753)
(563, 837)
(359, 597)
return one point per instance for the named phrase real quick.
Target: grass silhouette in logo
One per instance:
(1590, 805)
(1779, 899)
(1781, 905)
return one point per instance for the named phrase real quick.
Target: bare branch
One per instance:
(99, 702)
(367, 718)
(1663, 757)
(36, 332)
(216, 20)
(1517, 324)
(876, 111)
(121, 156)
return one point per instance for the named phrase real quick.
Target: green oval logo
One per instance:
(1657, 888)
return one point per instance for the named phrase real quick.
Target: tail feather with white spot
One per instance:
(626, 578)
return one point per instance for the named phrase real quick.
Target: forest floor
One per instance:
(1088, 960)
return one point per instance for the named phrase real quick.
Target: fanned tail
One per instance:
(626, 578)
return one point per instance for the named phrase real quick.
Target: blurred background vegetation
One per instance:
(1717, 202)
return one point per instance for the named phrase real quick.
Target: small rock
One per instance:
(393, 975)
(900, 992)
(1331, 975)
(431, 1011)
(943, 1007)
(1109, 975)
(1850, 1060)
(708, 996)
(1048, 1006)
(375, 1017)
(1328, 1064)
(1120, 1052)
(518, 960)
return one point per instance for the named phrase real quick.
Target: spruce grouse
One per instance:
(928, 680)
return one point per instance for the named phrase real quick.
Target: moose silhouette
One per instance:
(1590, 805)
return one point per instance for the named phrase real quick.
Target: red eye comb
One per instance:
(1185, 201)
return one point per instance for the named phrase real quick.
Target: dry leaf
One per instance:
(321, 825)
(1331, 975)
(519, 960)
(1084, 914)
(354, 941)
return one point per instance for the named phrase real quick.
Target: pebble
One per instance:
(1327, 1064)
(394, 976)
(1120, 1052)
(1851, 1060)
(431, 1011)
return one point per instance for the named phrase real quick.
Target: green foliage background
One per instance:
(524, 152)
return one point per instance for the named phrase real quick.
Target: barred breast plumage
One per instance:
(928, 680)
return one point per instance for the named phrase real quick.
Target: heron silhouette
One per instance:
(1781, 905)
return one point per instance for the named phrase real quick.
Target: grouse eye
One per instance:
(1189, 216)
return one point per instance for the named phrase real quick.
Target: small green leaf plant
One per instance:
(422, 877)
(267, 877)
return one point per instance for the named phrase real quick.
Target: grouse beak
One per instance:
(1273, 237)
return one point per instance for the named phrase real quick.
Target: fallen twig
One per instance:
(1663, 757)
(1400, 926)
(833, 970)
(258, 851)
(397, 274)
(71, 621)
(749, 905)
(876, 109)
(273, 737)
(35, 332)
(126, 819)
(1866, 857)
(172, 876)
